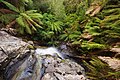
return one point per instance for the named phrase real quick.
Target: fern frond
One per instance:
(30, 19)
(11, 7)
(20, 21)
(21, 30)
(27, 28)
(115, 74)
(111, 11)
(35, 15)
(92, 45)
(111, 18)
(31, 11)
(7, 18)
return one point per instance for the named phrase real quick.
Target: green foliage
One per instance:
(69, 35)
(71, 5)
(57, 8)
(1, 0)
(101, 29)
(52, 23)
(100, 71)
(92, 45)
(42, 5)
(28, 20)
(6, 18)
(71, 28)
(51, 28)
(66, 20)
(92, 26)
(105, 26)
(10, 6)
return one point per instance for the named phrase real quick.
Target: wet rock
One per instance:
(62, 69)
(21, 69)
(10, 47)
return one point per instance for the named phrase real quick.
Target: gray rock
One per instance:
(62, 69)
(10, 47)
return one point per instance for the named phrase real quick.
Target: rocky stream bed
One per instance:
(19, 62)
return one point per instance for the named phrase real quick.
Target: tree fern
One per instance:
(28, 20)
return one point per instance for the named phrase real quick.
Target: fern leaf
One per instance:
(31, 11)
(1, 0)
(52, 27)
(37, 25)
(63, 36)
(21, 30)
(31, 25)
(109, 11)
(7, 18)
(55, 27)
(10, 6)
(35, 15)
(93, 69)
(111, 18)
(92, 45)
(20, 21)
(34, 28)
(27, 28)
(30, 19)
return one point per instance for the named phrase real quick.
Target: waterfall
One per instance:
(49, 51)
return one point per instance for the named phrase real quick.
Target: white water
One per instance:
(49, 51)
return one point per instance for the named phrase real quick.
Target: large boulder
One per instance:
(10, 47)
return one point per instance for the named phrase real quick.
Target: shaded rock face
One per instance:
(19, 63)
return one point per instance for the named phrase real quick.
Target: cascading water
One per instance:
(49, 51)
